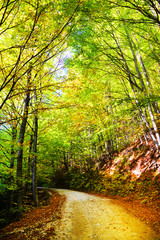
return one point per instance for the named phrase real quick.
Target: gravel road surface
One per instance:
(89, 217)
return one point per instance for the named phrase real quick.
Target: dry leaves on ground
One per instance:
(38, 223)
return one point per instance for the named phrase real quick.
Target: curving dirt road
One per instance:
(89, 217)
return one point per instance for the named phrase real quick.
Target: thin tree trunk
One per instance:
(11, 179)
(145, 137)
(157, 138)
(70, 155)
(154, 104)
(154, 125)
(140, 139)
(34, 173)
(149, 86)
(65, 160)
(149, 105)
(28, 183)
(20, 149)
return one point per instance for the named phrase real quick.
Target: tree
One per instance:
(20, 145)
(76, 111)
(34, 47)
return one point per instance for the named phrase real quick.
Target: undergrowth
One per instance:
(146, 188)
(8, 215)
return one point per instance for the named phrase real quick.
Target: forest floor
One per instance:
(94, 218)
(37, 223)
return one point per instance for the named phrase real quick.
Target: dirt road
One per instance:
(89, 217)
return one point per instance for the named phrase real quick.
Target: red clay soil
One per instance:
(37, 223)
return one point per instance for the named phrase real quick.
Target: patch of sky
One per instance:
(63, 59)
(60, 70)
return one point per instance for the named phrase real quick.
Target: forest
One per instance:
(79, 98)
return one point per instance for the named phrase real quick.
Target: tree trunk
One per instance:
(65, 160)
(11, 179)
(133, 85)
(34, 172)
(154, 103)
(28, 178)
(20, 148)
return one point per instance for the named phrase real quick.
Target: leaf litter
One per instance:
(38, 223)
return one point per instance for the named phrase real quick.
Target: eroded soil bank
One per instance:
(91, 217)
